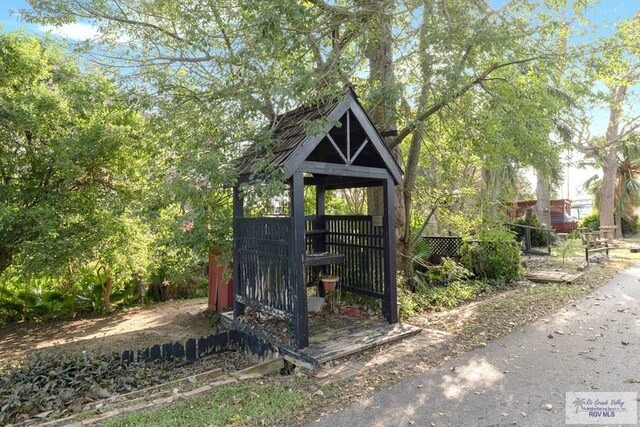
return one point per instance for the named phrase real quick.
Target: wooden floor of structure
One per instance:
(333, 337)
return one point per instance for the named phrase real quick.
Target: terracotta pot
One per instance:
(329, 283)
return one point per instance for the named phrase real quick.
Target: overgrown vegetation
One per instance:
(61, 382)
(538, 237)
(442, 297)
(492, 254)
(85, 222)
(490, 259)
(116, 185)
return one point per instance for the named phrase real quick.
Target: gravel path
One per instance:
(521, 379)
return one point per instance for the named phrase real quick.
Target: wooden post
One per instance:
(238, 212)
(390, 302)
(549, 242)
(299, 291)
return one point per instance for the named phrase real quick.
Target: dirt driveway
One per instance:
(126, 329)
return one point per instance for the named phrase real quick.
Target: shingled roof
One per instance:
(289, 133)
(291, 136)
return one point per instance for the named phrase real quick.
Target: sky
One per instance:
(604, 15)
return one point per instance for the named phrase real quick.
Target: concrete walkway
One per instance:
(521, 379)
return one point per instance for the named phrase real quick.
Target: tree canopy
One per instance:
(131, 174)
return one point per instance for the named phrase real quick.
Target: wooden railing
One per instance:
(526, 238)
(264, 258)
(263, 251)
(359, 241)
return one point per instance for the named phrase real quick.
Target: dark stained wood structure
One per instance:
(275, 258)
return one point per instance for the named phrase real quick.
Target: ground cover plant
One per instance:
(62, 381)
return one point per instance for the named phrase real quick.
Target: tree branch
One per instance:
(422, 116)
(125, 20)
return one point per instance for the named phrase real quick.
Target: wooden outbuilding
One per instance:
(331, 146)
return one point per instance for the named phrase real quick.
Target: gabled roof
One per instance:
(294, 144)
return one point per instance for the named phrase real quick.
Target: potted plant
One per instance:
(329, 282)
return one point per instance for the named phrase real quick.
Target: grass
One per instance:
(232, 405)
(493, 314)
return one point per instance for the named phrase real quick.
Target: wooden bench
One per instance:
(594, 242)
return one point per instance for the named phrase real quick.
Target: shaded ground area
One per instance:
(522, 378)
(126, 329)
(447, 335)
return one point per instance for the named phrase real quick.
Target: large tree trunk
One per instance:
(610, 162)
(382, 79)
(410, 175)
(608, 189)
(491, 186)
(543, 203)
(413, 157)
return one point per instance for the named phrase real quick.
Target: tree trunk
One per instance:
(107, 288)
(610, 162)
(543, 203)
(607, 191)
(618, 218)
(413, 156)
(491, 185)
(382, 80)
(411, 172)
(73, 289)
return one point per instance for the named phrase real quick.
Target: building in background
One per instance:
(561, 218)
(582, 206)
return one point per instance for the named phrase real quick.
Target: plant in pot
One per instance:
(329, 282)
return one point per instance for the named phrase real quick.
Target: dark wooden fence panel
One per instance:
(188, 351)
(263, 250)
(361, 243)
(194, 349)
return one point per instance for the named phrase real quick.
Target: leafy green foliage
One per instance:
(73, 163)
(478, 90)
(441, 297)
(492, 253)
(538, 237)
(443, 274)
(629, 225)
(591, 221)
(61, 380)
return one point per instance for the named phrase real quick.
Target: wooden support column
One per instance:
(296, 265)
(238, 212)
(390, 302)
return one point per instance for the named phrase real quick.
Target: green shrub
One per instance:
(538, 237)
(630, 227)
(439, 297)
(448, 271)
(591, 221)
(493, 254)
